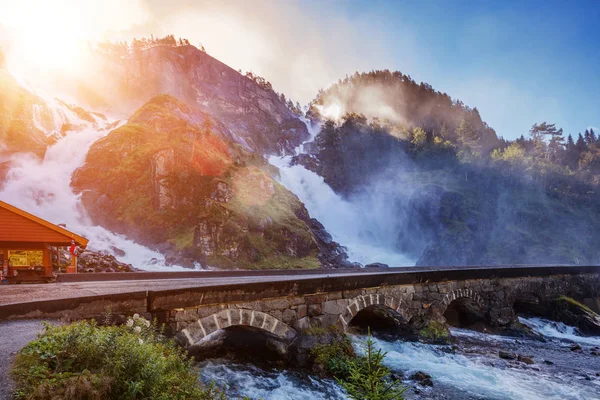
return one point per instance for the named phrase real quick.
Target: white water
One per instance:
(477, 373)
(361, 224)
(558, 330)
(255, 383)
(42, 187)
(476, 376)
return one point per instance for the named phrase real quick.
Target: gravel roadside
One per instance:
(14, 335)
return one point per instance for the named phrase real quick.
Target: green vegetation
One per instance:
(435, 332)
(368, 379)
(334, 358)
(575, 303)
(87, 361)
(172, 175)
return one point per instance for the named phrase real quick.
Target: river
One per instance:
(472, 371)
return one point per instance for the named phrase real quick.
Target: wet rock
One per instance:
(422, 378)
(397, 376)
(97, 261)
(575, 347)
(547, 362)
(377, 265)
(595, 353)
(507, 355)
(525, 359)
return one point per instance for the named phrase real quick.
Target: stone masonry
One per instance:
(413, 304)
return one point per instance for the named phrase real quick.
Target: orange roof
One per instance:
(68, 235)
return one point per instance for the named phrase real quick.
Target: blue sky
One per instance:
(517, 62)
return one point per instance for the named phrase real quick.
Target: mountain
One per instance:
(30, 123)
(453, 192)
(175, 178)
(256, 116)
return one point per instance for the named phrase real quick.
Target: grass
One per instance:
(575, 303)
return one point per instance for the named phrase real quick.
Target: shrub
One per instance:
(435, 332)
(86, 361)
(334, 358)
(369, 379)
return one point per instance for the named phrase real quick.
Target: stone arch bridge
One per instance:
(285, 309)
(282, 304)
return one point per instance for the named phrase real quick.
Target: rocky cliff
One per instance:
(175, 178)
(255, 115)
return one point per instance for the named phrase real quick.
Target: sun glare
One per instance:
(44, 36)
(48, 36)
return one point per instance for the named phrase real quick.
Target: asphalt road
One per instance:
(23, 293)
(15, 294)
(14, 335)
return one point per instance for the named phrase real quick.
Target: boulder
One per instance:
(507, 355)
(422, 378)
(377, 265)
(525, 359)
(98, 261)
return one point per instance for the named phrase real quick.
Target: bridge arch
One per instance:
(458, 294)
(362, 302)
(462, 308)
(196, 331)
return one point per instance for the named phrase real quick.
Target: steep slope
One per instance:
(29, 123)
(254, 114)
(398, 102)
(173, 178)
(441, 209)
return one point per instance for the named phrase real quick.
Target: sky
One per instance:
(518, 62)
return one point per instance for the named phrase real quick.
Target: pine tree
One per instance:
(587, 138)
(369, 379)
(467, 135)
(593, 139)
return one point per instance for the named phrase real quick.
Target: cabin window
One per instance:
(25, 258)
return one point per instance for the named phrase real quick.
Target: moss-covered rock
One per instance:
(173, 175)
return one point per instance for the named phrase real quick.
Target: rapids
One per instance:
(474, 371)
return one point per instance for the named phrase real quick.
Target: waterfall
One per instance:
(42, 188)
(361, 223)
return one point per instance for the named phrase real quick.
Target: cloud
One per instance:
(297, 50)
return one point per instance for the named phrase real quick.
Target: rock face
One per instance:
(18, 109)
(92, 261)
(256, 116)
(175, 178)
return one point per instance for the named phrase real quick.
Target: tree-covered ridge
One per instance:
(451, 204)
(395, 100)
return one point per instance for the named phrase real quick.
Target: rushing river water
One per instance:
(473, 371)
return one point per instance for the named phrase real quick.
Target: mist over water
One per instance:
(42, 187)
(361, 223)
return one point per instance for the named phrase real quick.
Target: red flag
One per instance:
(72, 249)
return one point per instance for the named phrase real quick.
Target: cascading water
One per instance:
(474, 371)
(361, 224)
(42, 187)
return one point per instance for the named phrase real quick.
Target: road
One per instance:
(16, 294)
(85, 285)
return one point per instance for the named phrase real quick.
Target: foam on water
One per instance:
(558, 330)
(477, 377)
(255, 383)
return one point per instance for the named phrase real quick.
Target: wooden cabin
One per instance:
(27, 243)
